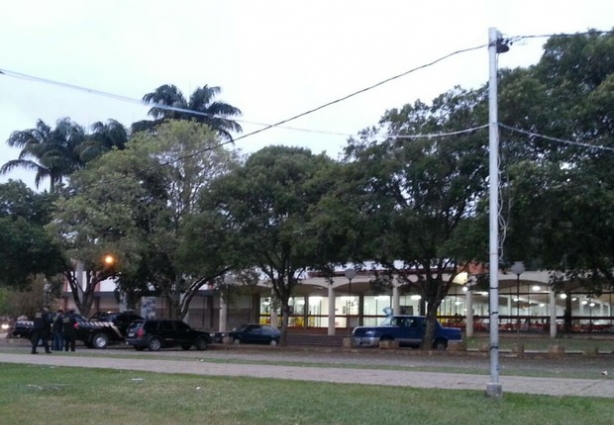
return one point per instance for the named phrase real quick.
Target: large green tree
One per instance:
(103, 138)
(216, 114)
(27, 249)
(268, 203)
(561, 193)
(411, 204)
(50, 153)
(135, 203)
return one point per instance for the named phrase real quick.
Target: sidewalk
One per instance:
(512, 384)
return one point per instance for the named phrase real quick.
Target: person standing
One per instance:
(68, 327)
(40, 331)
(56, 328)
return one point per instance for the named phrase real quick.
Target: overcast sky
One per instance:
(272, 59)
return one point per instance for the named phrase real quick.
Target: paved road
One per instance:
(603, 387)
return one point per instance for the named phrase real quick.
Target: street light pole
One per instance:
(349, 274)
(518, 303)
(518, 269)
(495, 46)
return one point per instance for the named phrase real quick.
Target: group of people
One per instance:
(62, 326)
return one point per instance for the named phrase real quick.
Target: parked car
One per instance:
(23, 328)
(100, 331)
(407, 330)
(161, 333)
(108, 328)
(255, 334)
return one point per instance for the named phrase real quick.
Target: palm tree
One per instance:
(50, 153)
(215, 114)
(104, 137)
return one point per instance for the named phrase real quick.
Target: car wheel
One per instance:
(273, 342)
(440, 344)
(201, 344)
(100, 340)
(154, 344)
(186, 347)
(236, 341)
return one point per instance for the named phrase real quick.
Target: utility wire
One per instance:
(555, 139)
(529, 36)
(341, 99)
(434, 135)
(371, 87)
(198, 113)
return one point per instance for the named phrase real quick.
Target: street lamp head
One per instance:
(109, 260)
(517, 268)
(350, 273)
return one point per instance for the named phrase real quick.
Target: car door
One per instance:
(252, 334)
(260, 335)
(409, 331)
(166, 331)
(270, 334)
(413, 331)
(183, 333)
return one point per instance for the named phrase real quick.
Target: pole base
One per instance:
(494, 390)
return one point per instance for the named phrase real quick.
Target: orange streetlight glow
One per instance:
(109, 260)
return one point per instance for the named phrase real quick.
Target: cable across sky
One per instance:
(122, 98)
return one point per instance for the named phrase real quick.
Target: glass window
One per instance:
(166, 325)
(180, 326)
(151, 326)
(387, 321)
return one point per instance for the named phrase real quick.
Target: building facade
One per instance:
(336, 305)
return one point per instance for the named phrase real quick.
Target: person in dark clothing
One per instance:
(56, 328)
(68, 329)
(40, 331)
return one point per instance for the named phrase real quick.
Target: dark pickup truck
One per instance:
(100, 331)
(407, 330)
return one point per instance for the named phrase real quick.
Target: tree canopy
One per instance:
(267, 202)
(561, 193)
(27, 250)
(214, 113)
(135, 203)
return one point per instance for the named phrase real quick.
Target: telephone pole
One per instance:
(495, 46)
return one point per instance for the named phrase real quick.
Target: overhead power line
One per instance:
(568, 34)
(555, 139)
(20, 75)
(435, 135)
(371, 87)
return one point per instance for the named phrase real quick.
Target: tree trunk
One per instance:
(285, 318)
(567, 324)
(429, 332)
(83, 297)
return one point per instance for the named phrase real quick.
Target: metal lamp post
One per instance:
(349, 274)
(229, 279)
(518, 269)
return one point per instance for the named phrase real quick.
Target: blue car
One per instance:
(407, 330)
(255, 334)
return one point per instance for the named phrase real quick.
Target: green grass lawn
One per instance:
(74, 396)
(542, 342)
